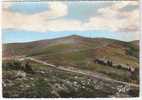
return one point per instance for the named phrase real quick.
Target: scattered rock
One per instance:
(3, 84)
(75, 77)
(21, 74)
(75, 83)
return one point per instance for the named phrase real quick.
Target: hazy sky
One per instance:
(29, 21)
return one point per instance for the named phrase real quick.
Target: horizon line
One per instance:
(69, 36)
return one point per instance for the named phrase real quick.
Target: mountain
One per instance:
(81, 52)
(76, 50)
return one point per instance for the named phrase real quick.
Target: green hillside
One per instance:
(106, 58)
(81, 52)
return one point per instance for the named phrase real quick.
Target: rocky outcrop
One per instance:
(109, 62)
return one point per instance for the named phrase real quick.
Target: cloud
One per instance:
(64, 25)
(111, 18)
(35, 22)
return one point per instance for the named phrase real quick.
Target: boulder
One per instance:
(21, 74)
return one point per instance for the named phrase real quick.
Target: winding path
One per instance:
(74, 70)
(78, 71)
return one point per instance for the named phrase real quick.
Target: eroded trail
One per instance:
(75, 70)
(84, 72)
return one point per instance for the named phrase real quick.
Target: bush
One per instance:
(14, 64)
(28, 68)
(42, 89)
(17, 65)
(134, 92)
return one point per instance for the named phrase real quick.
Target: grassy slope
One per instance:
(81, 52)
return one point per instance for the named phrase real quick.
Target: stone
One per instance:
(42, 72)
(75, 83)
(83, 87)
(4, 84)
(27, 86)
(21, 74)
(75, 77)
